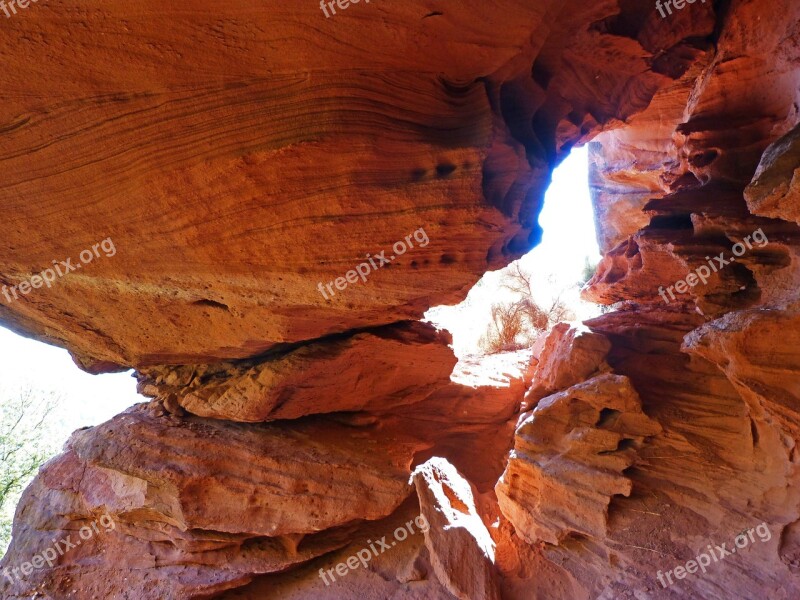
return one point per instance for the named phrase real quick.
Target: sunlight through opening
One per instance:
(551, 275)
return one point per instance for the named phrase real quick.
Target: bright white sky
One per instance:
(85, 399)
(569, 237)
(556, 263)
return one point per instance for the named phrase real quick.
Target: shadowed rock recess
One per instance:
(241, 153)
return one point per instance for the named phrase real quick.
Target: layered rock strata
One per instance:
(256, 152)
(185, 526)
(569, 459)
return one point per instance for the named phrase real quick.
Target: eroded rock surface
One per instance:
(461, 550)
(187, 525)
(252, 151)
(569, 459)
(569, 356)
(373, 370)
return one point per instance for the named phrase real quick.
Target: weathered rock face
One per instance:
(775, 190)
(569, 459)
(256, 150)
(380, 369)
(251, 162)
(207, 524)
(461, 549)
(569, 356)
(259, 161)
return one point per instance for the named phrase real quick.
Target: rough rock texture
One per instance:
(399, 571)
(461, 550)
(707, 365)
(569, 458)
(569, 355)
(252, 150)
(470, 420)
(259, 160)
(187, 525)
(236, 163)
(372, 370)
(775, 189)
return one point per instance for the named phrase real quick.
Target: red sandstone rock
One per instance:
(775, 189)
(402, 571)
(743, 345)
(200, 505)
(569, 457)
(470, 422)
(372, 370)
(460, 547)
(569, 355)
(631, 166)
(252, 152)
(249, 152)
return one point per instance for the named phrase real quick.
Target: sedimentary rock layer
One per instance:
(237, 164)
(459, 545)
(379, 369)
(253, 150)
(187, 525)
(569, 458)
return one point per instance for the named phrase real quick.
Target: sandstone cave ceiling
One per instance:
(238, 154)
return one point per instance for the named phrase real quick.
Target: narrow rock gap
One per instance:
(554, 271)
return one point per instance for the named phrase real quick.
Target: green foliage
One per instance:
(25, 444)
(588, 272)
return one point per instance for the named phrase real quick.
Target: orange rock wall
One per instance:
(238, 154)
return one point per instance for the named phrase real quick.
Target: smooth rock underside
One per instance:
(248, 158)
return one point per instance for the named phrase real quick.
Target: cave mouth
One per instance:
(44, 398)
(44, 370)
(554, 271)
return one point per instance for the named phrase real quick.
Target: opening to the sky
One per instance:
(43, 375)
(557, 266)
(46, 381)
